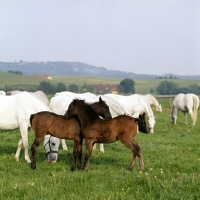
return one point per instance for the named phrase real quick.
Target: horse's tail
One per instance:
(31, 118)
(195, 108)
(142, 125)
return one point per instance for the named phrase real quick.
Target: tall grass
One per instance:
(171, 158)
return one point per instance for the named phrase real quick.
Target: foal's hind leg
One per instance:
(77, 152)
(133, 146)
(89, 146)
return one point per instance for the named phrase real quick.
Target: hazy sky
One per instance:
(140, 36)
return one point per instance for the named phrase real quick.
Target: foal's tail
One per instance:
(31, 118)
(142, 125)
(195, 108)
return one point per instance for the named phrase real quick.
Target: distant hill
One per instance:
(76, 69)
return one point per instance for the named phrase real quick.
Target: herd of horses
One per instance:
(95, 119)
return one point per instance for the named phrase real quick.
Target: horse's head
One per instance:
(151, 124)
(72, 109)
(102, 109)
(172, 116)
(159, 108)
(51, 145)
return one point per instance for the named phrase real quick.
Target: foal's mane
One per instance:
(88, 105)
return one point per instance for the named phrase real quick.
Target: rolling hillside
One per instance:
(142, 86)
(76, 69)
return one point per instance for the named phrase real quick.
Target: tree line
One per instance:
(170, 88)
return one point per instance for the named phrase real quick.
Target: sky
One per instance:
(140, 36)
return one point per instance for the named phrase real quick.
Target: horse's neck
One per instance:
(152, 100)
(148, 110)
(86, 115)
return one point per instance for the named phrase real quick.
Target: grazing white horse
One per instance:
(51, 145)
(15, 113)
(152, 101)
(2, 93)
(187, 103)
(38, 94)
(136, 106)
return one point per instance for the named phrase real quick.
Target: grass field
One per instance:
(171, 158)
(142, 86)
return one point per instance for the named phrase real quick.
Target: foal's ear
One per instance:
(100, 99)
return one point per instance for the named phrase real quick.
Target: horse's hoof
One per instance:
(17, 159)
(28, 160)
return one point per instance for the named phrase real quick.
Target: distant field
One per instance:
(141, 86)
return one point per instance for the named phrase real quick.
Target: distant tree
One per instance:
(194, 89)
(127, 86)
(46, 87)
(167, 87)
(61, 87)
(15, 72)
(87, 88)
(152, 90)
(73, 88)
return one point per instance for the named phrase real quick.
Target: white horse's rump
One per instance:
(152, 101)
(38, 94)
(136, 106)
(15, 113)
(185, 103)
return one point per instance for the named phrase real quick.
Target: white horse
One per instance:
(152, 101)
(187, 103)
(85, 95)
(51, 145)
(38, 94)
(136, 106)
(15, 113)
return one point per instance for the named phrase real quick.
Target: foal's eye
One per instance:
(53, 143)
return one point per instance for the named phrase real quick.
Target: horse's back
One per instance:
(59, 104)
(192, 100)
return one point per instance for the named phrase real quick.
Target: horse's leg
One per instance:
(20, 144)
(64, 146)
(192, 116)
(101, 147)
(80, 153)
(76, 152)
(34, 148)
(133, 146)
(185, 117)
(89, 146)
(94, 146)
(24, 138)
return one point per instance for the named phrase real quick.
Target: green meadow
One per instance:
(142, 86)
(171, 158)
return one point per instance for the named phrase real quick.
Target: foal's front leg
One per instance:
(34, 148)
(89, 146)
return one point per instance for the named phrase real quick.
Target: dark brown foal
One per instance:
(96, 130)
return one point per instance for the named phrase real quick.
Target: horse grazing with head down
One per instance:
(187, 103)
(136, 105)
(97, 130)
(56, 125)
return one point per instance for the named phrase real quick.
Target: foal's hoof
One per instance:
(33, 166)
